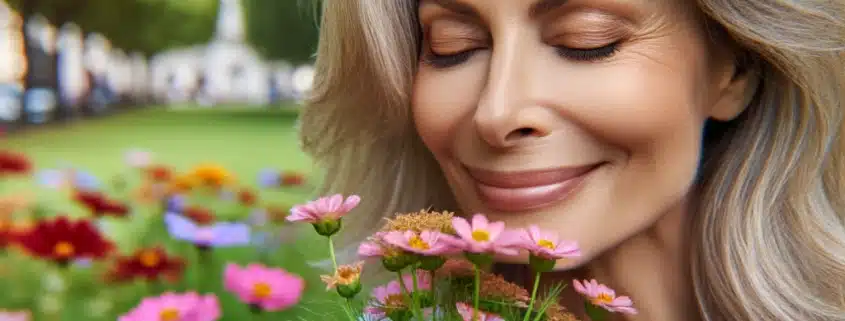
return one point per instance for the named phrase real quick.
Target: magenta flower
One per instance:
(430, 243)
(547, 245)
(176, 307)
(483, 236)
(466, 312)
(323, 209)
(263, 287)
(603, 296)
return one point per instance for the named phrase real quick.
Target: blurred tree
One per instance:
(283, 29)
(146, 26)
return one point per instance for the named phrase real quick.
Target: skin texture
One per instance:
(516, 103)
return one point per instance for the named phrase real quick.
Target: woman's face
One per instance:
(581, 116)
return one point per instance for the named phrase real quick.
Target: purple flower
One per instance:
(269, 177)
(51, 178)
(85, 180)
(221, 234)
(176, 203)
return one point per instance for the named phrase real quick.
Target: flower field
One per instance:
(95, 216)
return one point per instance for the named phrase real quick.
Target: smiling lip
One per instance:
(521, 191)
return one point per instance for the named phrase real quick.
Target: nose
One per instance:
(503, 117)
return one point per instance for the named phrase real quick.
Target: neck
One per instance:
(651, 268)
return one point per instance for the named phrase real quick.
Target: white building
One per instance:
(226, 70)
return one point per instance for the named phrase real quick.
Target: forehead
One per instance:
(537, 8)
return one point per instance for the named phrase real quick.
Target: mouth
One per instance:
(528, 190)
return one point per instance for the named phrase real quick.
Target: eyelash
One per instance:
(579, 55)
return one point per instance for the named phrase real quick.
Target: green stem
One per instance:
(533, 297)
(346, 307)
(331, 253)
(409, 295)
(416, 296)
(476, 294)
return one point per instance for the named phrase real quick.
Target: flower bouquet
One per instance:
(441, 265)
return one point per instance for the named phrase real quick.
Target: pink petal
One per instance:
(462, 227)
(334, 203)
(622, 301)
(580, 288)
(396, 238)
(534, 233)
(370, 249)
(350, 203)
(479, 222)
(230, 276)
(495, 229)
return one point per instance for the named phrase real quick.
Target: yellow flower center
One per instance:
(546, 243)
(169, 314)
(603, 298)
(63, 249)
(261, 290)
(149, 259)
(481, 236)
(418, 243)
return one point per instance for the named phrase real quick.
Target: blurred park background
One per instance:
(105, 97)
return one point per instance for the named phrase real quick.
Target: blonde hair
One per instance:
(768, 246)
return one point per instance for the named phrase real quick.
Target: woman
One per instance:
(692, 149)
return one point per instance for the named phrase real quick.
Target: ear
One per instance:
(737, 84)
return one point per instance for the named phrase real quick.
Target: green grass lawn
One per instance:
(241, 140)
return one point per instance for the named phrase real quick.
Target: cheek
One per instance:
(442, 103)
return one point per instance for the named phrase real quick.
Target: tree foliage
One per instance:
(146, 26)
(283, 29)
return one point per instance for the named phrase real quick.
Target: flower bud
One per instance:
(431, 263)
(541, 265)
(480, 260)
(349, 290)
(327, 227)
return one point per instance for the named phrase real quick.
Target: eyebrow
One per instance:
(537, 9)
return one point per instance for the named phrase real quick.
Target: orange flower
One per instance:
(212, 175)
(159, 173)
(183, 183)
(247, 197)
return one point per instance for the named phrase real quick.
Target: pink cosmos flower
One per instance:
(15, 315)
(547, 245)
(391, 296)
(466, 312)
(384, 299)
(603, 296)
(176, 307)
(483, 236)
(324, 208)
(426, 243)
(260, 286)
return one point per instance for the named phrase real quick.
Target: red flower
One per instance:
(199, 215)
(62, 240)
(13, 163)
(159, 173)
(151, 264)
(247, 197)
(292, 179)
(100, 205)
